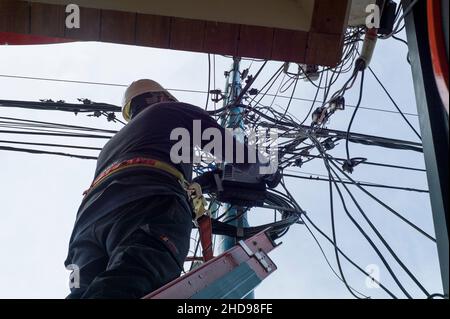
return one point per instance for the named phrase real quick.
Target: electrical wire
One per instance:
(31, 151)
(401, 167)
(391, 294)
(406, 12)
(209, 81)
(395, 104)
(347, 139)
(52, 145)
(381, 238)
(361, 230)
(316, 178)
(295, 137)
(333, 242)
(185, 91)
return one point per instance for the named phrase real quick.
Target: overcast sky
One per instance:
(40, 194)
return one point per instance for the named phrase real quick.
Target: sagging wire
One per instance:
(380, 255)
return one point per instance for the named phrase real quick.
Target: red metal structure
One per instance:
(9, 38)
(438, 51)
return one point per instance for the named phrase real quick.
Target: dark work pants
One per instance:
(132, 251)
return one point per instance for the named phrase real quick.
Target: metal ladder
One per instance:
(231, 275)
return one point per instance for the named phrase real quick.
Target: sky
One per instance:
(40, 194)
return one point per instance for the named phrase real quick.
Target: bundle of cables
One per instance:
(289, 211)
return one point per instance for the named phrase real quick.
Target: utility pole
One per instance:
(233, 119)
(434, 126)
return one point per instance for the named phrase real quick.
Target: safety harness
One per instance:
(202, 216)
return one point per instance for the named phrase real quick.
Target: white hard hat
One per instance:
(137, 88)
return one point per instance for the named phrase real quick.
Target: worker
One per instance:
(133, 228)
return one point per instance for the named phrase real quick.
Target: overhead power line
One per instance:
(362, 163)
(394, 103)
(26, 122)
(61, 106)
(189, 91)
(357, 183)
(56, 134)
(31, 151)
(52, 145)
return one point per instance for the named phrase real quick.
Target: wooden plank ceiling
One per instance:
(320, 44)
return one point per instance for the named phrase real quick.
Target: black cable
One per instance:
(327, 165)
(400, 40)
(230, 207)
(277, 229)
(407, 189)
(62, 106)
(276, 95)
(406, 12)
(184, 91)
(338, 261)
(58, 125)
(269, 83)
(364, 234)
(214, 78)
(385, 243)
(52, 145)
(351, 289)
(34, 128)
(361, 90)
(390, 209)
(209, 81)
(113, 118)
(336, 246)
(241, 214)
(394, 166)
(299, 154)
(220, 228)
(394, 103)
(249, 84)
(387, 207)
(283, 88)
(23, 150)
(88, 83)
(61, 80)
(333, 226)
(354, 137)
(56, 134)
(347, 105)
(290, 100)
(275, 76)
(314, 101)
(346, 257)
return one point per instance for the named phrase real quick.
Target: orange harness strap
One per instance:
(136, 162)
(205, 231)
(194, 192)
